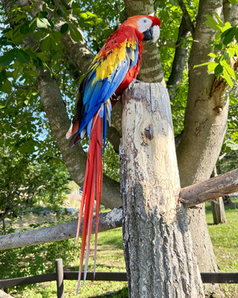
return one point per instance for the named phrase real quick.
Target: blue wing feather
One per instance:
(93, 93)
(97, 92)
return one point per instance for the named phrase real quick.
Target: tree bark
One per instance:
(217, 206)
(204, 130)
(218, 211)
(107, 221)
(157, 244)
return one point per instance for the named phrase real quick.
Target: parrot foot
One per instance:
(131, 85)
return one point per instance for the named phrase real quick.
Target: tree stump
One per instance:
(157, 244)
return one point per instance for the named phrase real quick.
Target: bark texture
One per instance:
(217, 206)
(210, 189)
(218, 211)
(204, 130)
(157, 244)
(107, 221)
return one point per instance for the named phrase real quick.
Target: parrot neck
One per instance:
(139, 35)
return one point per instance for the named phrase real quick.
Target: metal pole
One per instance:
(59, 278)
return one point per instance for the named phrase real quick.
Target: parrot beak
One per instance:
(152, 34)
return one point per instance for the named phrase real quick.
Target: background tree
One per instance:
(44, 51)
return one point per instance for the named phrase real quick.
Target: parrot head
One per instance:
(147, 26)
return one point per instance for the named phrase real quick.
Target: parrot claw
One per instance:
(131, 85)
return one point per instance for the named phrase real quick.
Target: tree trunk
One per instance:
(218, 211)
(157, 244)
(204, 130)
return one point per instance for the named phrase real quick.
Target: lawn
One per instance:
(110, 258)
(225, 242)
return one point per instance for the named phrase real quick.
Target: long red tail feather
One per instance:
(92, 182)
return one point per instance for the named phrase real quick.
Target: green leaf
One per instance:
(224, 33)
(236, 34)
(211, 66)
(212, 55)
(8, 57)
(64, 28)
(233, 2)
(7, 86)
(8, 33)
(75, 34)
(219, 19)
(37, 62)
(199, 65)
(37, 35)
(6, 42)
(2, 107)
(25, 28)
(229, 69)
(31, 54)
(83, 15)
(218, 70)
(45, 44)
(59, 12)
(42, 23)
(22, 56)
(229, 36)
(56, 44)
(218, 46)
(210, 22)
(227, 78)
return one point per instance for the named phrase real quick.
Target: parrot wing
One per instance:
(102, 80)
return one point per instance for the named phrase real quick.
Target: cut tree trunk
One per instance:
(157, 244)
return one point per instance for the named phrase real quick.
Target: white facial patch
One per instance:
(144, 24)
(156, 33)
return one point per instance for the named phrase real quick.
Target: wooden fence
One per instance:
(60, 275)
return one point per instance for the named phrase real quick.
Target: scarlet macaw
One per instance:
(112, 70)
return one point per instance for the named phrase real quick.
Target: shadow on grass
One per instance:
(123, 293)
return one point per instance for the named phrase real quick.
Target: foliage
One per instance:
(36, 259)
(229, 152)
(26, 178)
(111, 162)
(224, 49)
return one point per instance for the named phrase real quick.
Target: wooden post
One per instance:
(59, 278)
(157, 244)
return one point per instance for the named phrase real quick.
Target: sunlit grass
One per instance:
(225, 243)
(110, 258)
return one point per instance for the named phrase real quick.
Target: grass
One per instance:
(110, 258)
(225, 243)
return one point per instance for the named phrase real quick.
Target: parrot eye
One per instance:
(144, 24)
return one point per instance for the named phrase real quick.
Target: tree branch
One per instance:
(189, 196)
(107, 221)
(176, 75)
(209, 190)
(186, 16)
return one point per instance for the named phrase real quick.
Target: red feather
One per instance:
(93, 177)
